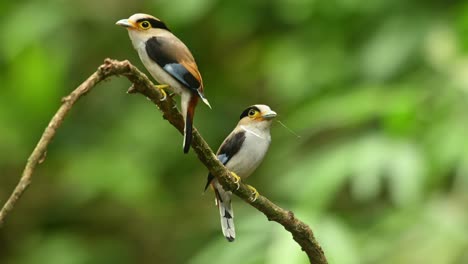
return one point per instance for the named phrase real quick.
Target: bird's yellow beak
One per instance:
(125, 23)
(269, 115)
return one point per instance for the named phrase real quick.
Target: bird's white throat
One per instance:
(251, 132)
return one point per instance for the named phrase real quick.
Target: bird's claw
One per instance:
(236, 179)
(161, 88)
(254, 195)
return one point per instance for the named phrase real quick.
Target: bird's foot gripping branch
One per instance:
(301, 233)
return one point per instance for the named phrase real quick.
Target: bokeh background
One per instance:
(377, 90)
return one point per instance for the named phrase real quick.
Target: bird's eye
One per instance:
(145, 25)
(252, 112)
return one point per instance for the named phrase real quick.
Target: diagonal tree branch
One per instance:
(301, 233)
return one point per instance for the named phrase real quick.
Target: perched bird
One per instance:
(170, 62)
(242, 152)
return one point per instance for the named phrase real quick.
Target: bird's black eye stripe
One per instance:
(154, 23)
(246, 111)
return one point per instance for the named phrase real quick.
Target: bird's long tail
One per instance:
(188, 111)
(223, 200)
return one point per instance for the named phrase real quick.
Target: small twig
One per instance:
(39, 153)
(301, 233)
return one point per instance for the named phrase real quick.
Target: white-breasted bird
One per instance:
(242, 152)
(170, 63)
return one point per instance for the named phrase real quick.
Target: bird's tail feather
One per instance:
(223, 200)
(188, 110)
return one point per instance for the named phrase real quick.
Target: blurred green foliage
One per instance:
(376, 89)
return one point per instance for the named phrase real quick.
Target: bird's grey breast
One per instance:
(251, 154)
(158, 73)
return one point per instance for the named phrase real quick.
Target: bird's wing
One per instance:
(231, 145)
(175, 58)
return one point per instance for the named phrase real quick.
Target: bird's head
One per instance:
(142, 24)
(260, 116)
